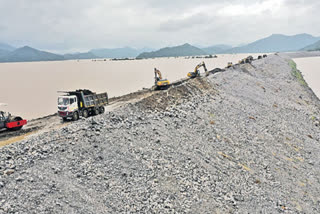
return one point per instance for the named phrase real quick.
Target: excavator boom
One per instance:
(157, 73)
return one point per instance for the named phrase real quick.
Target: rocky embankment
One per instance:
(241, 141)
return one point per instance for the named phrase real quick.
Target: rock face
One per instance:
(241, 141)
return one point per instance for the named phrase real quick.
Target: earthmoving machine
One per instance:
(249, 59)
(10, 122)
(196, 72)
(82, 102)
(160, 84)
(229, 65)
(242, 61)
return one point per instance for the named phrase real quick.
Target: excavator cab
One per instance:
(196, 72)
(160, 84)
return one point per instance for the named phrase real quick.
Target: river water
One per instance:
(310, 69)
(31, 88)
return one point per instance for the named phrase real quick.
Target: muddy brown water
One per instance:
(310, 68)
(31, 88)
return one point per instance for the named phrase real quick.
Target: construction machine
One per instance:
(242, 61)
(82, 102)
(229, 65)
(160, 84)
(10, 122)
(249, 59)
(196, 72)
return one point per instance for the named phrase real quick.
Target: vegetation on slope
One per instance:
(296, 73)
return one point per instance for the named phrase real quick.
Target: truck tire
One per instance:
(101, 110)
(64, 119)
(85, 113)
(96, 111)
(75, 116)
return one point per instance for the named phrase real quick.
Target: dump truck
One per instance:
(81, 103)
(10, 122)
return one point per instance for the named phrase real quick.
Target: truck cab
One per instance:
(68, 107)
(82, 102)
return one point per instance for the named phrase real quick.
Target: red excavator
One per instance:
(10, 122)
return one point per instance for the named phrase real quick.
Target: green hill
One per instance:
(28, 54)
(182, 50)
(277, 43)
(313, 47)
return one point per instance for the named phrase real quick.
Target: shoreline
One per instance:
(252, 128)
(52, 121)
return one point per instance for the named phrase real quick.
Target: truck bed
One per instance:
(94, 100)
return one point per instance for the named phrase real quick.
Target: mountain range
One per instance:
(312, 47)
(182, 50)
(277, 43)
(273, 43)
(216, 49)
(126, 52)
(28, 54)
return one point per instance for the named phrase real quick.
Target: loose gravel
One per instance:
(245, 140)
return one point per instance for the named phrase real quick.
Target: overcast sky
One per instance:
(72, 25)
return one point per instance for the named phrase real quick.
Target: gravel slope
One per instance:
(241, 141)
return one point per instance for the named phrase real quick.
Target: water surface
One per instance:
(310, 68)
(30, 88)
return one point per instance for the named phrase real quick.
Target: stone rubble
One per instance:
(241, 141)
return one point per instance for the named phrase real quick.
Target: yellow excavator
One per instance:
(229, 65)
(160, 83)
(196, 72)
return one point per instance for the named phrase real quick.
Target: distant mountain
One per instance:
(28, 54)
(312, 47)
(6, 47)
(4, 52)
(277, 43)
(216, 49)
(126, 52)
(182, 50)
(87, 55)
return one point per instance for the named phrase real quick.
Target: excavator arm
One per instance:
(157, 74)
(196, 70)
(159, 82)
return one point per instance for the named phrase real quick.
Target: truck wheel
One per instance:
(64, 119)
(96, 111)
(101, 110)
(75, 116)
(85, 113)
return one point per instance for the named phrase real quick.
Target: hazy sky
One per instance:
(65, 25)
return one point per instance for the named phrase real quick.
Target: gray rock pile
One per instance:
(242, 141)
